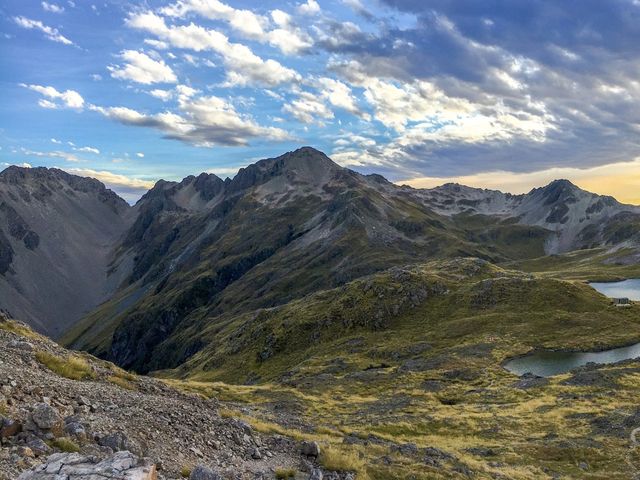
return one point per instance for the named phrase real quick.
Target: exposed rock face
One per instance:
(577, 218)
(73, 466)
(57, 234)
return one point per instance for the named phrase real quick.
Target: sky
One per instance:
(502, 94)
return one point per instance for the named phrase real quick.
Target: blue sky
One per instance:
(500, 94)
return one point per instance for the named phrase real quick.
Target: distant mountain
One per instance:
(194, 253)
(204, 249)
(577, 218)
(57, 235)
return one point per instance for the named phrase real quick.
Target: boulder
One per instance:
(118, 441)
(310, 449)
(122, 465)
(45, 416)
(203, 473)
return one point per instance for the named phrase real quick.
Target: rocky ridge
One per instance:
(52, 427)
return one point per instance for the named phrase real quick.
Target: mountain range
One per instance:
(138, 284)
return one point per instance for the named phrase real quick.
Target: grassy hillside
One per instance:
(400, 372)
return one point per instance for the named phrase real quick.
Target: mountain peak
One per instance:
(305, 165)
(562, 183)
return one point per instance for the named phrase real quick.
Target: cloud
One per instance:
(88, 150)
(141, 68)
(130, 188)
(308, 108)
(140, 155)
(50, 33)
(69, 157)
(164, 95)
(53, 140)
(290, 39)
(243, 66)
(23, 165)
(311, 7)
(225, 171)
(244, 21)
(52, 7)
(203, 121)
(66, 99)
(340, 95)
(286, 36)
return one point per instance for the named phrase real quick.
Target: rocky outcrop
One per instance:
(57, 428)
(73, 466)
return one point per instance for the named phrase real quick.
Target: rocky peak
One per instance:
(41, 182)
(304, 165)
(208, 185)
(558, 191)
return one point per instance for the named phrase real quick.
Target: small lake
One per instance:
(547, 363)
(627, 288)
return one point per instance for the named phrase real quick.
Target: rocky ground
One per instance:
(57, 428)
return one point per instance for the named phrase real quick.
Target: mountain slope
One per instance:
(577, 218)
(282, 228)
(57, 232)
(290, 226)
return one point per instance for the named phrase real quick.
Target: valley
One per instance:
(317, 304)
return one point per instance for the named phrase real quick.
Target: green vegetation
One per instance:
(18, 329)
(424, 380)
(121, 382)
(71, 366)
(341, 460)
(185, 472)
(285, 473)
(65, 444)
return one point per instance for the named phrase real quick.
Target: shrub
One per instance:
(284, 473)
(71, 366)
(340, 460)
(185, 472)
(121, 382)
(65, 444)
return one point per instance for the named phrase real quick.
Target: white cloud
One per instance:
(69, 157)
(203, 121)
(53, 140)
(289, 38)
(52, 7)
(88, 150)
(112, 178)
(130, 188)
(140, 155)
(23, 164)
(50, 33)
(225, 171)
(340, 95)
(96, 77)
(244, 21)
(311, 7)
(243, 66)
(141, 68)
(66, 99)
(308, 108)
(164, 95)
